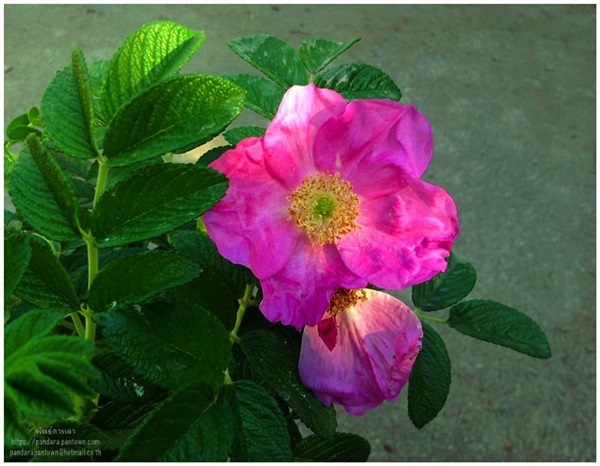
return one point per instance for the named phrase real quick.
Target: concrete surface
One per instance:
(510, 92)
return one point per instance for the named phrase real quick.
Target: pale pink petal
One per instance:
(249, 225)
(290, 136)
(300, 293)
(378, 341)
(402, 239)
(372, 133)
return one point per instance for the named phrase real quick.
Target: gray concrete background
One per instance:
(510, 92)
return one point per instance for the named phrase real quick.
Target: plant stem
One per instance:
(102, 178)
(245, 302)
(77, 323)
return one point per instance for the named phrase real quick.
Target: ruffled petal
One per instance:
(372, 133)
(377, 343)
(290, 136)
(402, 238)
(249, 225)
(300, 293)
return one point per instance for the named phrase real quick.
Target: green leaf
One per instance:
(339, 447)
(155, 200)
(43, 195)
(169, 344)
(42, 373)
(235, 135)
(359, 81)
(66, 110)
(264, 427)
(119, 382)
(46, 283)
(445, 289)
(496, 323)
(190, 425)
(19, 128)
(134, 279)
(429, 382)
(263, 96)
(272, 56)
(209, 157)
(17, 253)
(201, 249)
(121, 415)
(172, 116)
(317, 53)
(275, 359)
(151, 54)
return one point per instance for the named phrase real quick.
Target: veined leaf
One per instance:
(447, 288)
(153, 53)
(235, 135)
(170, 344)
(42, 371)
(272, 56)
(264, 428)
(46, 283)
(496, 323)
(317, 53)
(429, 382)
(275, 359)
(263, 96)
(359, 81)
(66, 110)
(17, 253)
(134, 279)
(190, 425)
(172, 116)
(339, 447)
(158, 199)
(43, 195)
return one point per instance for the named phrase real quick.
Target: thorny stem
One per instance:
(245, 302)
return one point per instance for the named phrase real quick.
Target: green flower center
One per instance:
(325, 207)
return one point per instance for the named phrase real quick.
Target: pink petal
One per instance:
(371, 133)
(300, 293)
(403, 238)
(249, 225)
(290, 136)
(378, 341)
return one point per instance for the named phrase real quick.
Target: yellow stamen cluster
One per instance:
(324, 206)
(343, 299)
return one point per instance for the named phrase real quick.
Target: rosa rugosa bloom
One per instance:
(330, 198)
(362, 352)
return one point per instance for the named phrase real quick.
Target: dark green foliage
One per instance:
(359, 81)
(429, 381)
(339, 447)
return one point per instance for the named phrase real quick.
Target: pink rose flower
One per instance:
(362, 352)
(331, 197)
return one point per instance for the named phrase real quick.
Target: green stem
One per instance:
(77, 323)
(245, 302)
(102, 178)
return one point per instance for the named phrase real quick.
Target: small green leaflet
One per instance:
(42, 193)
(42, 371)
(447, 288)
(17, 253)
(359, 81)
(339, 447)
(235, 135)
(274, 358)
(46, 283)
(151, 54)
(263, 96)
(317, 53)
(158, 199)
(168, 343)
(273, 57)
(136, 278)
(190, 425)
(172, 116)
(429, 382)
(264, 428)
(496, 323)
